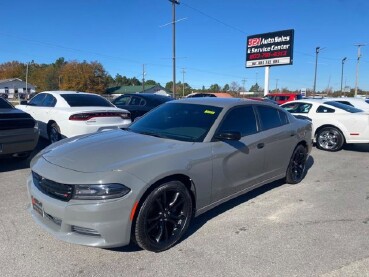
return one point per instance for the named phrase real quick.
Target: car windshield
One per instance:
(4, 104)
(84, 100)
(345, 107)
(178, 121)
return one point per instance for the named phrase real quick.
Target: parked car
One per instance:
(265, 99)
(334, 124)
(4, 95)
(178, 161)
(210, 94)
(354, 102)
(18, 132)
(282, 98)
(64, 114)
(140, 103)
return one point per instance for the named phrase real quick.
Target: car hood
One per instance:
(108, 151)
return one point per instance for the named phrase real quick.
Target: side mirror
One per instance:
(228, 136)
(24, 102)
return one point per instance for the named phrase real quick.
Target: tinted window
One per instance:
(49, 101)
(84, 100)
(4, 104)
(240, 119)
(122, 100)
(269, 117)
(137, 101)
(179, 121)
(37, 100)
(297, 107)
(323, 109)
(347, 108)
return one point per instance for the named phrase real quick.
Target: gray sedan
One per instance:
(145, 183)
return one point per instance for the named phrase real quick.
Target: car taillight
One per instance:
(88, 116)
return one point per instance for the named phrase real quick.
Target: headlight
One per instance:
(99, 192)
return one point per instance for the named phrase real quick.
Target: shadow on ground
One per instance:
(10, 164)
(358, 147)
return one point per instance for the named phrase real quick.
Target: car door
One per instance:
(238, 165)
(33, 108)
(137, 106)
(279, 139)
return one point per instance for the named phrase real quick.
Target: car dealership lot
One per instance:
(318, 227)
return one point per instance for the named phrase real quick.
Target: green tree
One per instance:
(214, 88)
(226, 87)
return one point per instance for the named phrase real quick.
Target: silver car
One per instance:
(145, 183)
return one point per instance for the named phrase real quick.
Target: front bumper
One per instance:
(102, 223)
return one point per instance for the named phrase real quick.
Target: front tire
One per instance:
(329, 139)
(296, 167)
(54, 133)
(164, 217)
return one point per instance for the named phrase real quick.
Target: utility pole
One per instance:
(243, 85)
(357, 65)
(143, 77)
(183, 83)
(26, 94)
(343, 62)
(174, 3)
(317, 49)
(276, 84)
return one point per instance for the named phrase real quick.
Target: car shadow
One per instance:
(202, 219)
(11, 164)
(358, 147)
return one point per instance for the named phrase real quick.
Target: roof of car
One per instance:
(218, 102)
(65, 92)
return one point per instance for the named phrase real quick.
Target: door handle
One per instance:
(260, 145)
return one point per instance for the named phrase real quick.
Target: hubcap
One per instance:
(167, 217)
(328, 139)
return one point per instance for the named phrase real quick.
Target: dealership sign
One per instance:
(269, 49)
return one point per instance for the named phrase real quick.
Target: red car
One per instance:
(282, 98)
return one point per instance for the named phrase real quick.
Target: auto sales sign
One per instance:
(269, 49)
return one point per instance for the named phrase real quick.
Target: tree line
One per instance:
(91, 77)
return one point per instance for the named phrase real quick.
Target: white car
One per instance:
(359, 103)
(334, 124)
(64, 114)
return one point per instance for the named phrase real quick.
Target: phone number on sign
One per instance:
(268, 55)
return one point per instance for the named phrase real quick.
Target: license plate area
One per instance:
(37, 206)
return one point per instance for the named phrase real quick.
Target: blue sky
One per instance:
(211, 38)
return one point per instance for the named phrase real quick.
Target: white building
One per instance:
(16, 88)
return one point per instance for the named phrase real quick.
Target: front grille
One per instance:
(53, 189)
(85, 231)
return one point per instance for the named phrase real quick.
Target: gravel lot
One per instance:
(319, 227)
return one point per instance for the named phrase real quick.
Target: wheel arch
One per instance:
(332, 126)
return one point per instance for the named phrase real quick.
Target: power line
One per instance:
(215, 19)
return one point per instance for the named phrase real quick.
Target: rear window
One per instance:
(85, 100)
(347, 108)
(4, 104)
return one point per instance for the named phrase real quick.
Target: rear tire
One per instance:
(330, 139)
(296, 168)
(164, 217)
(54, 133)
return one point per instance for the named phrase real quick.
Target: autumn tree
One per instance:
(12, 69)
(90, 77)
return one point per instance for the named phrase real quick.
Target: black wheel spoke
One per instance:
(150, 220)
(158, 202)
(161, 230)
(152, 226)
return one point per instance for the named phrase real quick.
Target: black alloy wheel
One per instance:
(330, 139)
(164, 217)
(296, 168)
(54, 133)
